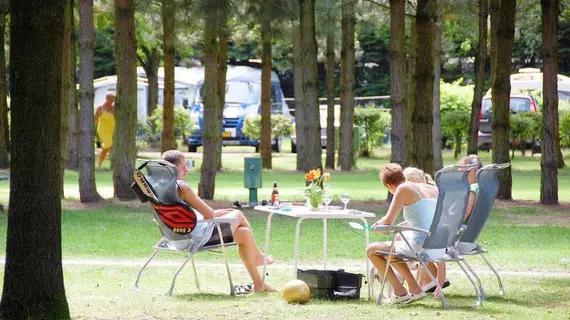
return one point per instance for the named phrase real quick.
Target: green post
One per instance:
(252, 177)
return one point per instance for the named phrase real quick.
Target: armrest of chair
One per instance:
(392, 228)
(219, 220)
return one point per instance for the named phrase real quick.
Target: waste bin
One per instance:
(252, 177)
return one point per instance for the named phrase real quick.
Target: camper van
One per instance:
(243, 98)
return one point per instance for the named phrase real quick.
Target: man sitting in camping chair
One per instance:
(241, 229)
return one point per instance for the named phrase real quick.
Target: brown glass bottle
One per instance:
(275, 195)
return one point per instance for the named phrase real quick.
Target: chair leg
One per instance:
(232, 291)
(195, 275)
(481, 291)
(502, 290)
(388, 260)
(479, 301)
(144, 266)
(444, 303)
(169, 293)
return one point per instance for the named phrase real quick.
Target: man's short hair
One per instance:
(173, 156)
(110, 95)
(392, 174)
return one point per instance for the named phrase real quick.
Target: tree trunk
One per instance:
(494, 11)
(150, 66)
(223, 35)
(168, 39)
(298, 91)
(347, 62)
(550, 125)
(309, 143)
(33, 275)
(331, 64)
(73, 148)
(397, 80)
(4, 160)
(422, 117)
(436, 128)
(266, 36)
(124, 149)
(480, 61)
(212, 127)
(410, 104)
(65, 87)
(87, 187)
(501, 94)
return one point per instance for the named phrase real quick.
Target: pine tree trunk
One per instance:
(480, 61)
(124, 148)
(550, 125)
(66, 87)
(33, 275)
(223, 36)
(410, 104)
(265, 141)
(501, 94)
(151, 70)
(212, 125)
(168, 39)
(298, 92)
(73, 146)
(4, 160)
(422, 117)
(331, 64)
(87, 187)
(436, 128)
(347, 62)
(494, 11)
(309, 145)
(397, 80)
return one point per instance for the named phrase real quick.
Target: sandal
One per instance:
(415, 297)
(400, 299)
(431, 286)
(242, 289)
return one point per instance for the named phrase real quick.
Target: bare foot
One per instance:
(266, 288)
(260, 258)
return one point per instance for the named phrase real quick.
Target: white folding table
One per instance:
(302, 213)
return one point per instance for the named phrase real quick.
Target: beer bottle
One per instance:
(275, 195)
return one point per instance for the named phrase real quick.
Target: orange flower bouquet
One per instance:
(315, 188)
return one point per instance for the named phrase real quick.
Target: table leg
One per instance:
(367, 239)
(266, 250)
(297, 236)
(325, 243)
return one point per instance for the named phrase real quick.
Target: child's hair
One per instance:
(417, 175)
(392, 174)
(471, 159)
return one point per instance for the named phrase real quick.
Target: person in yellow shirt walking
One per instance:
(105, 122)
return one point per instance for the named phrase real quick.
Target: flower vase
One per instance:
(311, 207)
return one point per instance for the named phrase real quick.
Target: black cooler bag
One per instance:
(330, 284)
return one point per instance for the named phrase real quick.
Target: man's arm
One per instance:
(188, 195)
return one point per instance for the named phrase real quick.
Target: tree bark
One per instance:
(480, 61)
(550, 125)
(494, 11)
(212, 126)
(66, 87)
(331, 64)
(4, 160)
(436, 128)
(410, 104)
(266, 37)
(87, 187)
(309, 135)
(347, 62)
(298, 90)
(150, 66)
(33, 275)
(168, 39)
(397, 80)
(73, 148)
(223, 35)
(124, 149)
(501, 94)
(422, 116)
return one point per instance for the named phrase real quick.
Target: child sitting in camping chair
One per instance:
(241, 230)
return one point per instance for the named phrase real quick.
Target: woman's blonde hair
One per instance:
(417, 175)
(471, 159)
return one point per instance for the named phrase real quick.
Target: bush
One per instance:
(522, 128)
(151, 131)
(455, 126)
(373, 123)
(565, 129)
(280, 125)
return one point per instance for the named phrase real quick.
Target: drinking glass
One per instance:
(345, 198)
(327, 198)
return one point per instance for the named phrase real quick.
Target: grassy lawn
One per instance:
(121, 235)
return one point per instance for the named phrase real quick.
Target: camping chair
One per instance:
(488, 186)
(451, 205)
(3, 176)
(176, 220)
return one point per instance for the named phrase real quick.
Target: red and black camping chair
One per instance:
(156, 182)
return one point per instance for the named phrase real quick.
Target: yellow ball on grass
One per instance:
(296, 291)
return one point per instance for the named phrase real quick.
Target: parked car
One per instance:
(517, 103)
